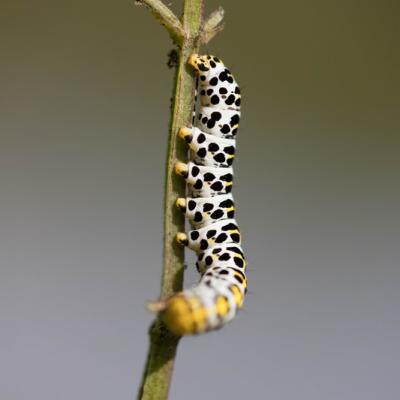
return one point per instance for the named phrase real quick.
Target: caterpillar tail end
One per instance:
(170, 312)
(177, 316)
(181, 169)
(182, 238)
(181, 204)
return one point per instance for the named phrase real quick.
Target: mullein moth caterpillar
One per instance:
(209, 206)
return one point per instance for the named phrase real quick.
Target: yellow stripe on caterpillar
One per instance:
(177, 316)
(222, 306)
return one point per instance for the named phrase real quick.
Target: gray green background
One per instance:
(84, 103)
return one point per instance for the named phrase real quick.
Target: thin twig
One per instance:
(166, 17)
(163, 344)
(212, 25)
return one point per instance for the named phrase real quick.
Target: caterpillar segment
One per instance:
(205, 181)
(223, 123)
(226, 255)
(221, 232)
(209, 207)
(207, 150)
(202, 211)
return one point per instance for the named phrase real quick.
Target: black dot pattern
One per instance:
(209, 205)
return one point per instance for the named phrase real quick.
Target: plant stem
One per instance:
(163, 344)
(212, 25)
(182, 108)
(166, 17)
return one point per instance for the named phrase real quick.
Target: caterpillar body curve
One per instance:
(209, 206)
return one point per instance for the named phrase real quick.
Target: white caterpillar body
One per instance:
(206, 181)
(221, 232)
(226, 255)
(209, 150)
(218, 124)
(209, 207)
(201, 211)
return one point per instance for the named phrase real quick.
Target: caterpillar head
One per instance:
(206, 64)
(217, 84)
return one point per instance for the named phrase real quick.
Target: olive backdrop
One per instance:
(84, 108)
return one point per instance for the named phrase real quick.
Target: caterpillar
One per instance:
(209, 206)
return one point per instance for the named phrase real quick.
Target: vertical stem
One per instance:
(182, 108)
(161, 355)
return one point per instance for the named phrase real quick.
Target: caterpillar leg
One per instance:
(181, 169)
(181, 204)
(186, 134)
(182, 239)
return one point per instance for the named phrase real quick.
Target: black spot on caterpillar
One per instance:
(210, 207)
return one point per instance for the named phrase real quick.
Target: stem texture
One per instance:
(163, 344)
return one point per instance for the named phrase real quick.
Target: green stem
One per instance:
(182, 108)
(161, 355)
(166, 17)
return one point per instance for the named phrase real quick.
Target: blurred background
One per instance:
(84, 108)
